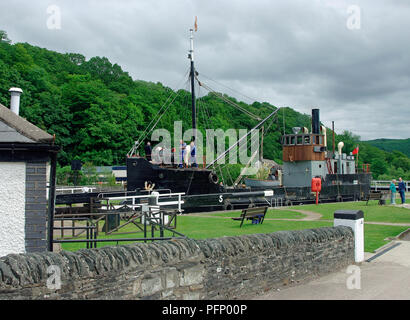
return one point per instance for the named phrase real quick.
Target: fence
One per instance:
(147, 214)
(378, 185)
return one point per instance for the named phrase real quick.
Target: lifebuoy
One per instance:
(213, 178)
(228, 206)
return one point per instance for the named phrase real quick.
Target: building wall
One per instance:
(12, 207)
(224, 268)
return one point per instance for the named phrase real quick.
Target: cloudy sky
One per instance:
(350, 58)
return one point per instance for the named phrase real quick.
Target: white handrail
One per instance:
(76, 188)
(134, 205)
(145, 196)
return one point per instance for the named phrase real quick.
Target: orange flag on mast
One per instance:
(196, 23)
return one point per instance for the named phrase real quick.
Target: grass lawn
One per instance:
(201, 227)
(271, 214)
(372, 211)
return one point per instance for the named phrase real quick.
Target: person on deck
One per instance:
(148, 151)
(393, 191)
(192, 159)
(173, 161)
(187, 154)
(402, 190)
(182, 153)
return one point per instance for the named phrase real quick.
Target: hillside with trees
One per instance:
(389, 145)
(97, 111)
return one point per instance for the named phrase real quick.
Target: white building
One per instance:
(26, 154)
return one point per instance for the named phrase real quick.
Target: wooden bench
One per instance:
(377, 195)
(252, 214)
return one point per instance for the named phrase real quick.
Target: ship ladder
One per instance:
(329, 166)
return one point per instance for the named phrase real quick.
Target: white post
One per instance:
(145, 213)
(355, 220)
(191, 51)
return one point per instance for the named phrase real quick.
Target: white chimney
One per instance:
(15, 100)
(340, 146)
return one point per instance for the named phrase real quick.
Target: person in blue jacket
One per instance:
(182, 153)
(402, 190)
(393, 191)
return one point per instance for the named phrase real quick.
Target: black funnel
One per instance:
(315, 121)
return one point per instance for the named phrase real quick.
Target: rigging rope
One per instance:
(149, 127)
(229, 101)
(250, 98)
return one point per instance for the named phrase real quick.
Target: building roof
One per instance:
(14, 128)
(269, 162)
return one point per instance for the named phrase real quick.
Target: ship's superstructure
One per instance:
(306, 156)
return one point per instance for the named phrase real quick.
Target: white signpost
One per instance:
(355, 220)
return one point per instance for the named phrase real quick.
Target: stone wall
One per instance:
(223, 268)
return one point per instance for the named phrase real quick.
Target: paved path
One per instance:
(310, 215)
(386, 277)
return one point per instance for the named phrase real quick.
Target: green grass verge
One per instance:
(375, 235)
(271, 214)
(198, 227)
(372, 212)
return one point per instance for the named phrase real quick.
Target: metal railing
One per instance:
(150, 213)
(378, 185)
(149, 221)
(73, 190)
(157, 195)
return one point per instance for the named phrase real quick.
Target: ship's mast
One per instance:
(192, 75)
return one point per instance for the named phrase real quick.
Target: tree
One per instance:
(4, 37)
(378, 167)
(76, 58)
(349, 140)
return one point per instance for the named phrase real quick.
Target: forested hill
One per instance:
(402, 145)
(96, 110)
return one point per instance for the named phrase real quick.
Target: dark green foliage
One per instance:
(402, 145)
(384, 165)
(4, 37)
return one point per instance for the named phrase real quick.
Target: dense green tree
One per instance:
(4, 37)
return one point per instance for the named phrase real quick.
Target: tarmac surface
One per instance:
(385, 277)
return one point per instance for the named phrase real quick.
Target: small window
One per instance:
(299, 140)
(320, 140)
(316, 139)
(292, 140)
(306, 140)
